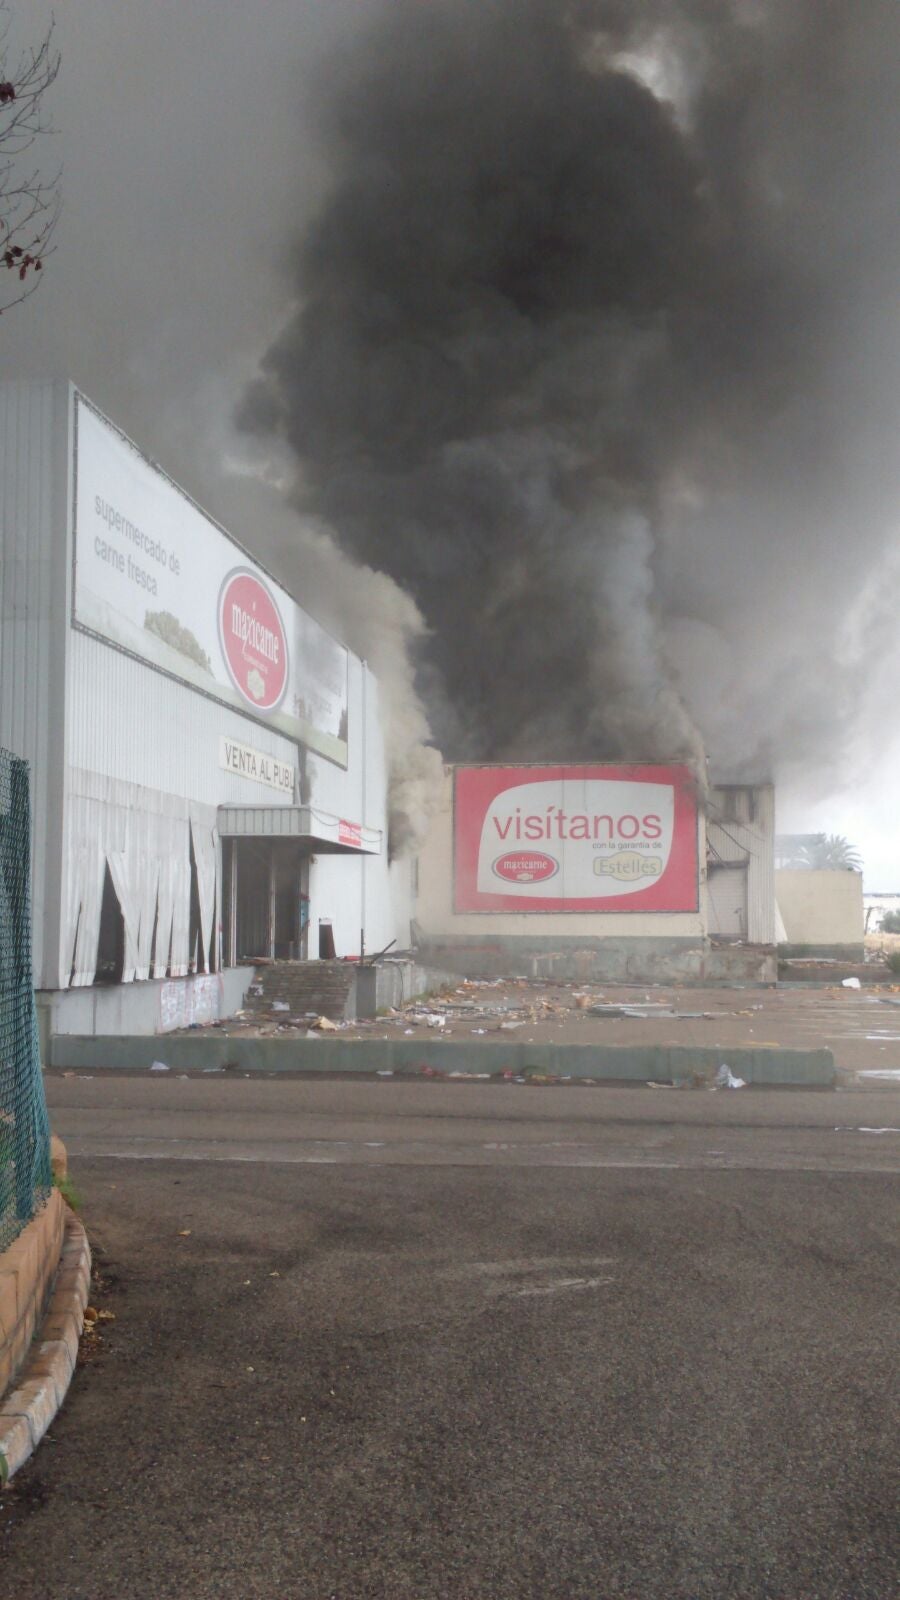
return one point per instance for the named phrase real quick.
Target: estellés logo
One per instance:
(253, 640)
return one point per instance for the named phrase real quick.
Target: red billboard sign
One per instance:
(575, 838)
(253, 639)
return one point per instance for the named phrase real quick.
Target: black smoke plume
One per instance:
(595, 353)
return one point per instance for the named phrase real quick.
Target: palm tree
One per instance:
(832, 853)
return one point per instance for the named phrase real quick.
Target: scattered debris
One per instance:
(280, 1005)
(867, 1130)
(725, 1079)
(651, 1008)
(850, 983)
(325, 1025)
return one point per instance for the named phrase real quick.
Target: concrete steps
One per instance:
(322, 987)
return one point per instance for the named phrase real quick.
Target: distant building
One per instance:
(876, 907)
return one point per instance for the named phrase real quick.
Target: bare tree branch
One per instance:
(29, 199)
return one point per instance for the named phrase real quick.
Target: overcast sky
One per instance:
(188, 178)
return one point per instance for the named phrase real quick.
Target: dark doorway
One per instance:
(267, 899)
(111, 943)
(253, 871)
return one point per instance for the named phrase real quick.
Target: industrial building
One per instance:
(208, 763)
(209, 778)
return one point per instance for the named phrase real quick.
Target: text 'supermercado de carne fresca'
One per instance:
(208, 763)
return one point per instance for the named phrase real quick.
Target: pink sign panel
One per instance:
(575, 838)
(253, 639)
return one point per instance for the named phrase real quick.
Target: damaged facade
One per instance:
(208, 764)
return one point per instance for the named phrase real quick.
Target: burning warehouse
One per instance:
(211, 780)
(208, 763)
(563, 375)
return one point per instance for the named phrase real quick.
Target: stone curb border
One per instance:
(771, 1065)
(28, 1410)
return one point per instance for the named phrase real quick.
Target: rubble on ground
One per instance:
(479, 1008)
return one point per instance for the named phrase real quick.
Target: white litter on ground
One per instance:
(725, 1079)
(867, 1130)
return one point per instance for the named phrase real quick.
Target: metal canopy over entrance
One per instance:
(320, 831)
(266, 858)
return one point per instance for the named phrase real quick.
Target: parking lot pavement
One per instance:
(224, 1117)
(472, 1380)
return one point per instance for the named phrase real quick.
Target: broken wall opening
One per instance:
(111, 941)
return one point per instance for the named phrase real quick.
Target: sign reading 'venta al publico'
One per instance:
(257, 766)
(575, 838)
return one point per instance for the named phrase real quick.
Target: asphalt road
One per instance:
(488, 1345)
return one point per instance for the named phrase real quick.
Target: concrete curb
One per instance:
(198, 1052)
(28, 1410)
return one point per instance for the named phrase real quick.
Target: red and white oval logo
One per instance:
(525, 866)
(253, 639)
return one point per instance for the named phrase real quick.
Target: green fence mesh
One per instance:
(24, 1129)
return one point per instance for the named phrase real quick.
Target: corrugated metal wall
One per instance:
(740, 829)
(138, 727)
(135, 724)
(86, 715)
(356, 892)
(34, 605)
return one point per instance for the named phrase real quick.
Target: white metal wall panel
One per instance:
(741, 829)
(129, 722)
(136, 726)
(87, 716)
(354, 892)
(34, 600)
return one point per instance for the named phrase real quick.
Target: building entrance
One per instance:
(266, 895)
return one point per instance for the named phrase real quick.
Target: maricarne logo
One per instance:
(253, 640)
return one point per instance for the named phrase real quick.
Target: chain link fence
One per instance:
(25, 1176)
